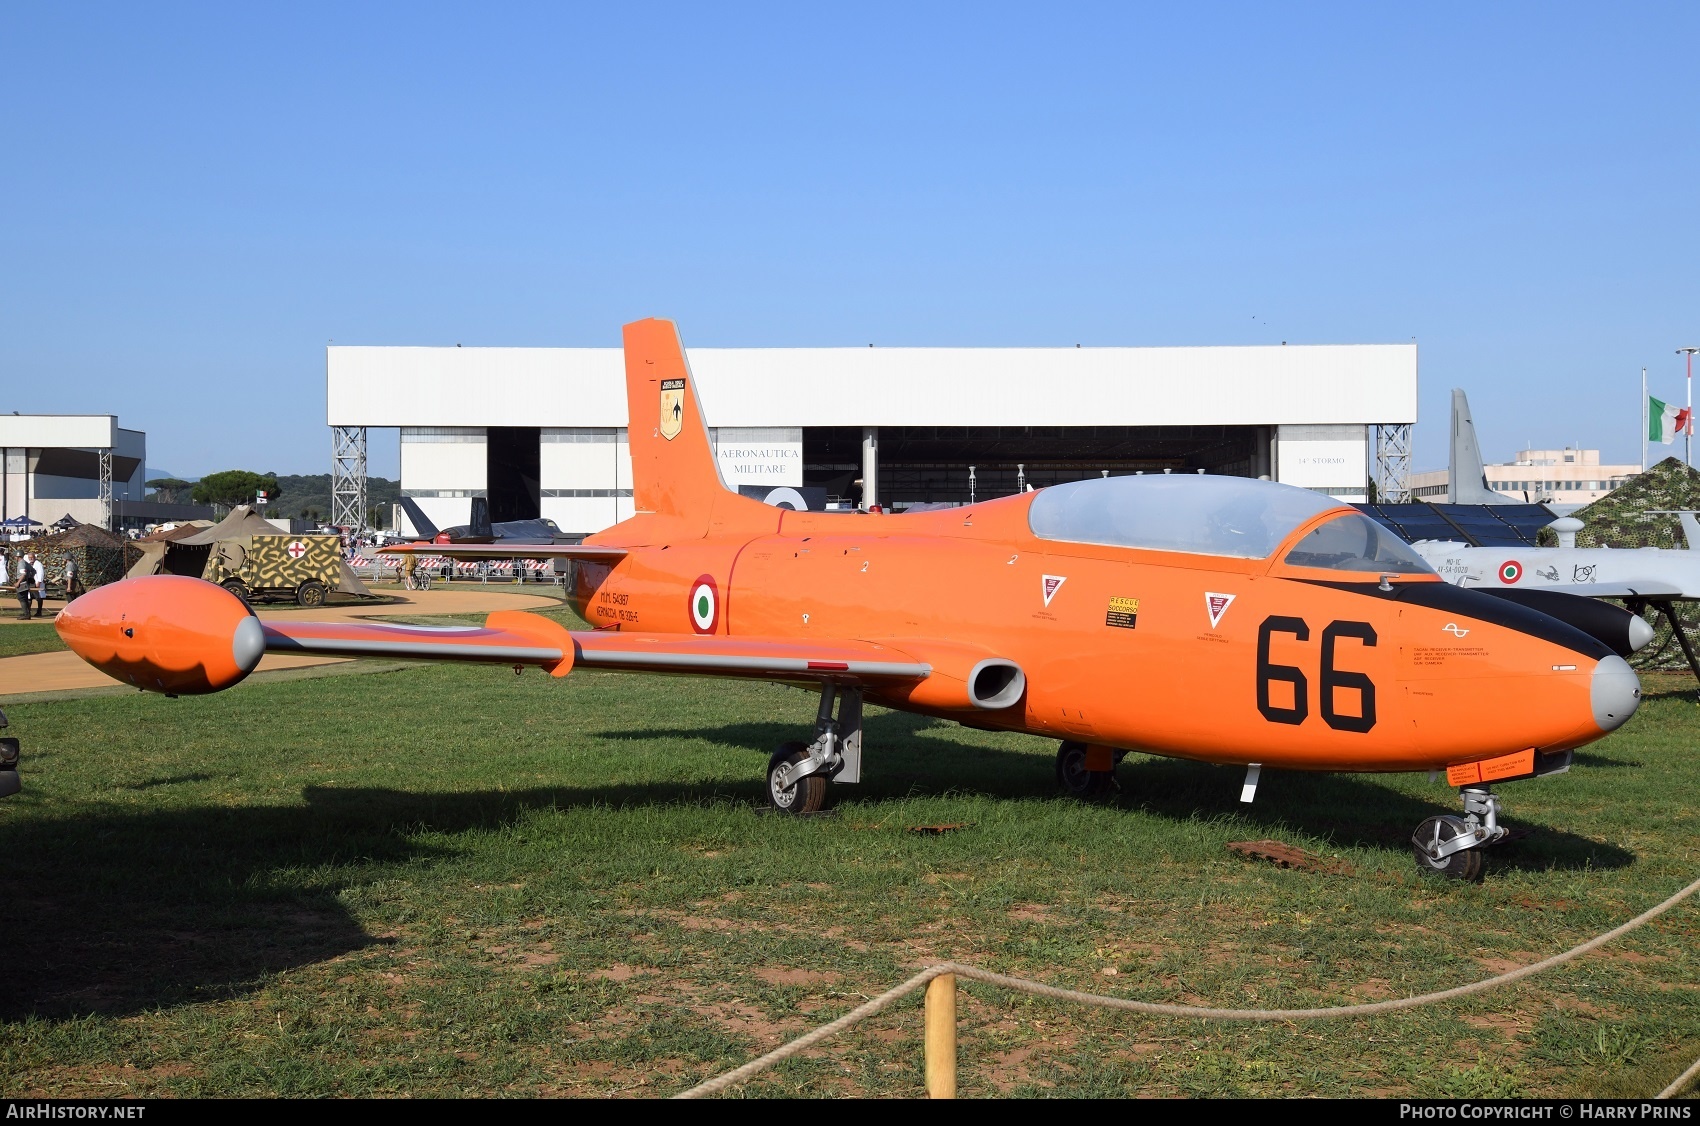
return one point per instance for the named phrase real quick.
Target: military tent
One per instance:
(233, 536)
(101, 557)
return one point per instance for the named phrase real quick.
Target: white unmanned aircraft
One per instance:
(1641, 577)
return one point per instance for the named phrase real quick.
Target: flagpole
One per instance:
(1688, 440)
(1645, 421)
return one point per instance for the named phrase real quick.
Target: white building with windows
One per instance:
(1563, 476)
(541, 431)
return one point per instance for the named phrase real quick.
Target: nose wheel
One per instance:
(1452, 846)
(1428, 845)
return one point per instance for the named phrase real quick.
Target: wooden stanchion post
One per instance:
(941, 1037)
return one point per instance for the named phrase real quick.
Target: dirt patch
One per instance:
(1505, 965)
(1508, 1024)
(533, 958)
(109, 1081)
(1284, 855)
(748, 1021)
(619, 971)
(797, 977)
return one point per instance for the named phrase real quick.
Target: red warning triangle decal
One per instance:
(1216, 605)
(1052, 582)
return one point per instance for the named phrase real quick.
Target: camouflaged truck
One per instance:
(269, 568)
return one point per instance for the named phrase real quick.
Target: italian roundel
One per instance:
(705, 604)
(1510, 571)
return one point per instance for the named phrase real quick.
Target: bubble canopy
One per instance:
(1232, 516)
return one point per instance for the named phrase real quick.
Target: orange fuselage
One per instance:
(1219, 659)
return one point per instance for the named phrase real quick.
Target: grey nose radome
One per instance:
(1640, 633)
(1614, 692)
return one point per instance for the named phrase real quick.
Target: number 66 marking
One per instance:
(1333, 679)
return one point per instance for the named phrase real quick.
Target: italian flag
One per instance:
(1665, 421)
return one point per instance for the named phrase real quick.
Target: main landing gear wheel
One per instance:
(806, 794)
(1426, 842)
(1073, 777)
(798, 773)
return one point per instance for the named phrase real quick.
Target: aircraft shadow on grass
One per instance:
(1350, 810)
(120, 912)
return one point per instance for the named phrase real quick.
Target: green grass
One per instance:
(449, 880)
(28, 637)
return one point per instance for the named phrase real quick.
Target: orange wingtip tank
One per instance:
(165, 633)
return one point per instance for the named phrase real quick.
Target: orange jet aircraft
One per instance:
(1212, 618)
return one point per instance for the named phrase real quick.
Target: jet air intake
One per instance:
(963, 677)
(996, 683)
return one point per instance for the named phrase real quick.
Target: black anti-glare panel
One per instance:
(1480, 525)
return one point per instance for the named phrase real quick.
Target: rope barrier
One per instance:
(1150, 1008)
(785, 1051)
(1680, 1082)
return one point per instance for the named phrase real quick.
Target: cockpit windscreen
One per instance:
(1354, 542)
(1232, 516)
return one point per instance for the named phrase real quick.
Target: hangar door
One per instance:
(513, 472)
(930, 464)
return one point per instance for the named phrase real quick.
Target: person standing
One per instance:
(24, 584)
(40, 588)
(73, 578)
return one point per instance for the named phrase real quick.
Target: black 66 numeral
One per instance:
(1333, 679)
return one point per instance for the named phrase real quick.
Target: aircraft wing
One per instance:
(519, 638)
(762, 658)
(478, 551)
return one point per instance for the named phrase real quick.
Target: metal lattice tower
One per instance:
(1393, 464)
(106, 488)
(348, 477)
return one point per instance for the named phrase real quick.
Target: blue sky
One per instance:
(194, 200)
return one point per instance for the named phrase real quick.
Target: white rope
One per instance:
(785, 1051)
(1680, 1081)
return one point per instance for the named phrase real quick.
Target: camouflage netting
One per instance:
(101, 556)
(1622, 519)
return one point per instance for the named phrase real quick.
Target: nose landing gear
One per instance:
(1451, 846)
(798, 772)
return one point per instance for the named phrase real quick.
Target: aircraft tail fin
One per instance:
(674, 472)
(1468, 472)
(478, 526)
(422, 526)
(1690, 523)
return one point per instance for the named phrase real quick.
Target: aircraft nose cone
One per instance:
(1640, 634)
(1614, 692)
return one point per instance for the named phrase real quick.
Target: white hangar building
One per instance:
(84, 466)
(541, 431)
